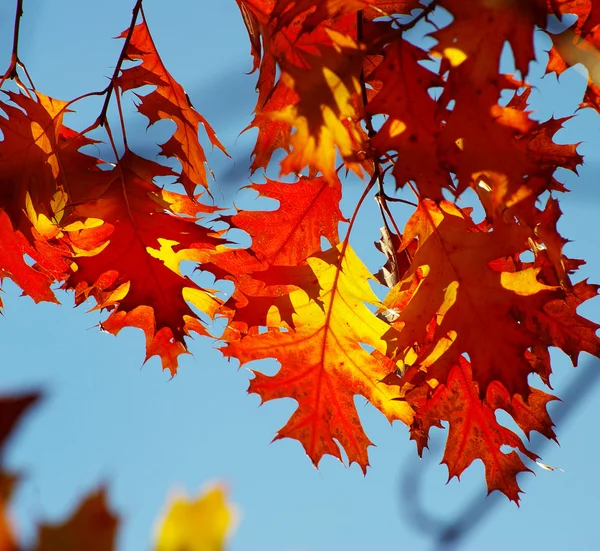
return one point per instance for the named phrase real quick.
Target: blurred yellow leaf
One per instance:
(198, 525)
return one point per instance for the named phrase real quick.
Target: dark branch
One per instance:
(101, 121)
(11, 72)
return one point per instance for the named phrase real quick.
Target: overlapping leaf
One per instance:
(282, 240)
(323, 365)
(325, 117)
(334, 79)
(461, 293)
(34, 182)
(129, 261)
(413, 124)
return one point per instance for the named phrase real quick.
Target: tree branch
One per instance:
(101, 121)
(11, 72)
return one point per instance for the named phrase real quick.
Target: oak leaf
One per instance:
(323, 365)
(168, 101)
(128, 246)
(452, 285)
(413, 124)
(275, 263)
(30, 166)
(40, 163)
(325, 117)
(285, 11)
(474, 432)
(13, 247)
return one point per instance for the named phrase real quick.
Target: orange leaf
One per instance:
(323, 365)
(308, 210)
(13, 247)
(275, 263)
(325, 117)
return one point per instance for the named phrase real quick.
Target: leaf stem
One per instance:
(121, 118)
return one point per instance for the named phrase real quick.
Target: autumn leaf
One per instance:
(203, 524)
(327, 93)
(323, 365)
(30, 164)
(168, 101)
(308, 211)
(294, 48)
(459, 291)
(341, 84)
(558, 323)
(12, 409)
(282, 240)
(37, 169)
(413, 124)
(128, 245)
(474, 433)
(272, 134)
(13, 247)
(92, 527)
(285, 11)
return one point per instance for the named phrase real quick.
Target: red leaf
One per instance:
(131, 260)
(473, 432)
(168, 101)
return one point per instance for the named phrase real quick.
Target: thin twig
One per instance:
(363, 86)
(101, 121)
(396, 199)
(11, 72)
(378, 174)
(422, 15)
(381, 199)
(396, 33)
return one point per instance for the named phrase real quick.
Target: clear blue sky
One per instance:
(107, 420)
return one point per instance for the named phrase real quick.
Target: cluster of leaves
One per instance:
(196, 525)
(468, 316)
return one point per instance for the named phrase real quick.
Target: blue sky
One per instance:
(108, 420)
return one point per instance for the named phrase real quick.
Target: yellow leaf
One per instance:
(323, 363)
(197, 525)
(325, 117)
